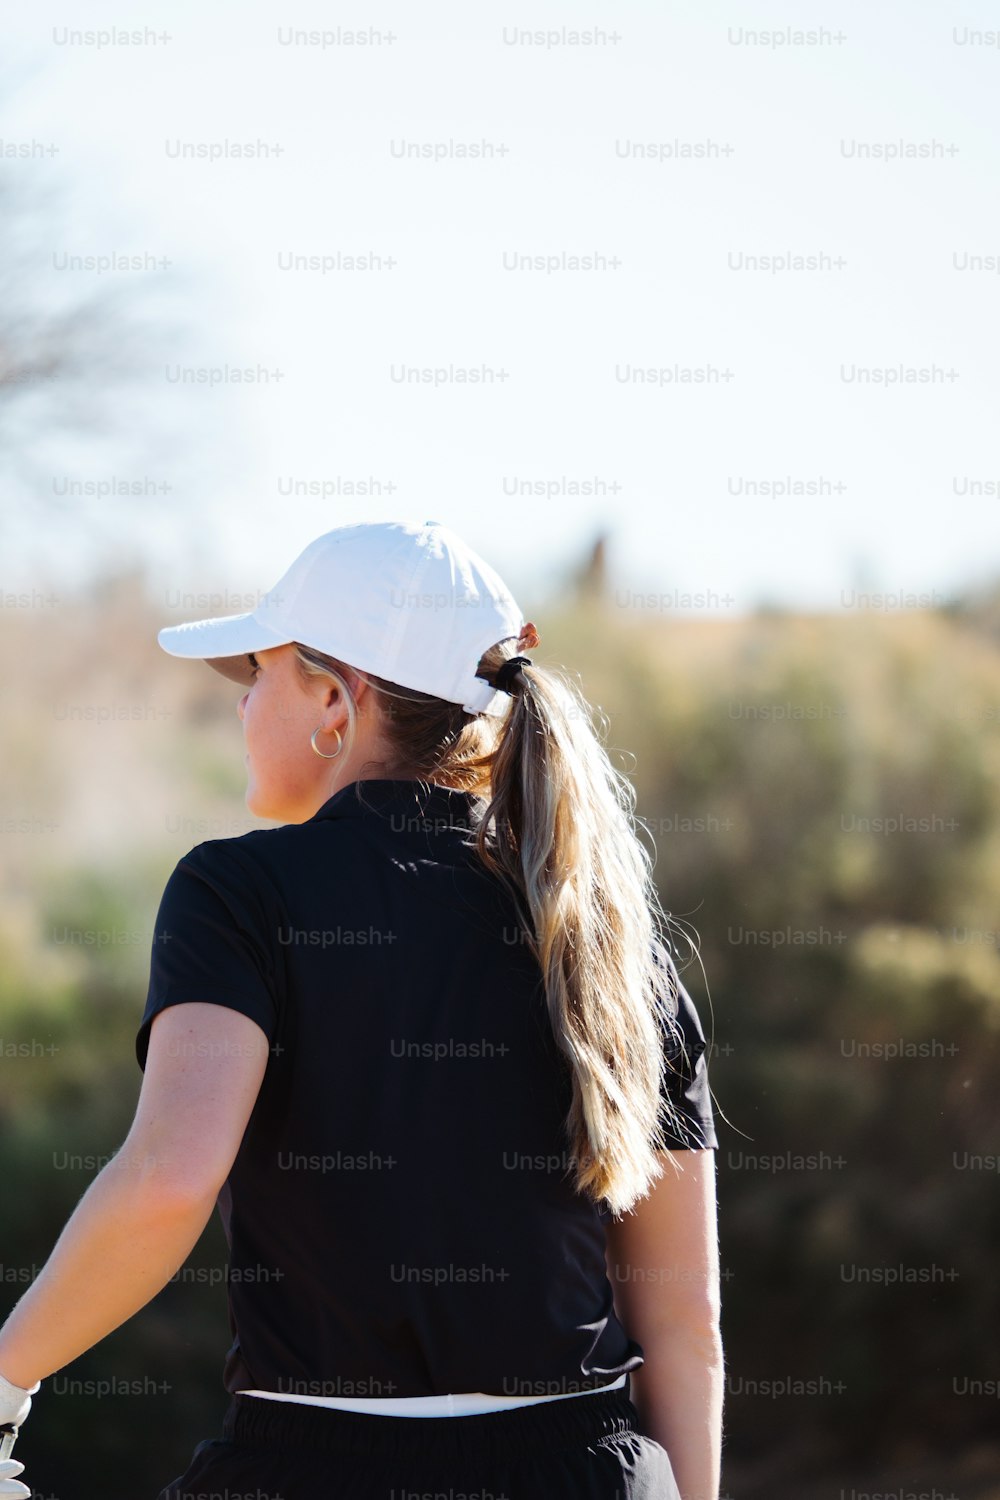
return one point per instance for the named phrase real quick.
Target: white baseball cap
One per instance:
(407, 601)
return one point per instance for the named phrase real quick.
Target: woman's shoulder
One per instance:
(250, 860)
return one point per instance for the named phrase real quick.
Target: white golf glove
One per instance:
(15, 1404)
(11, 1488)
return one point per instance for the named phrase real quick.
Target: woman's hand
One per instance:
(15, 1404)
(15, 1401)
(11, 1488)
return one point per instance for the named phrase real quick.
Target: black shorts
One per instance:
(577, 1448)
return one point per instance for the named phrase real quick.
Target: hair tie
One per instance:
(502, 681)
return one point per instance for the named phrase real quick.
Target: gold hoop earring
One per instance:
(319, 751)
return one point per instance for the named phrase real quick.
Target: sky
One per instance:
(720, 282)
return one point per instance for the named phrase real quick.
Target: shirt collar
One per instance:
(429, 804)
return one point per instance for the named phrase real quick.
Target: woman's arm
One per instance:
(142, 1215)
(663, 1265)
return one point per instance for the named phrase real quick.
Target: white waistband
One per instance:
(462, 1404)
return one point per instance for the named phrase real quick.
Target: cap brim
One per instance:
(223, 643)
(236, 668)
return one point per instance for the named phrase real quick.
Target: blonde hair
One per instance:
(555, 822)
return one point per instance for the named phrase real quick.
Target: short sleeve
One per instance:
(213, 941)
(686, 1081)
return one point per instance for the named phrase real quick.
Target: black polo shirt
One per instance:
(400, 1217)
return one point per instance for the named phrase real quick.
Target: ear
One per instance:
(331, 696)
(358, 684)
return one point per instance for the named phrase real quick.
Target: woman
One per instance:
(424, 1048)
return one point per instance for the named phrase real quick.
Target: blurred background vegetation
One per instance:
(823, 794)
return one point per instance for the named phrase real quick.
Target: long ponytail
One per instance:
(560, 827)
